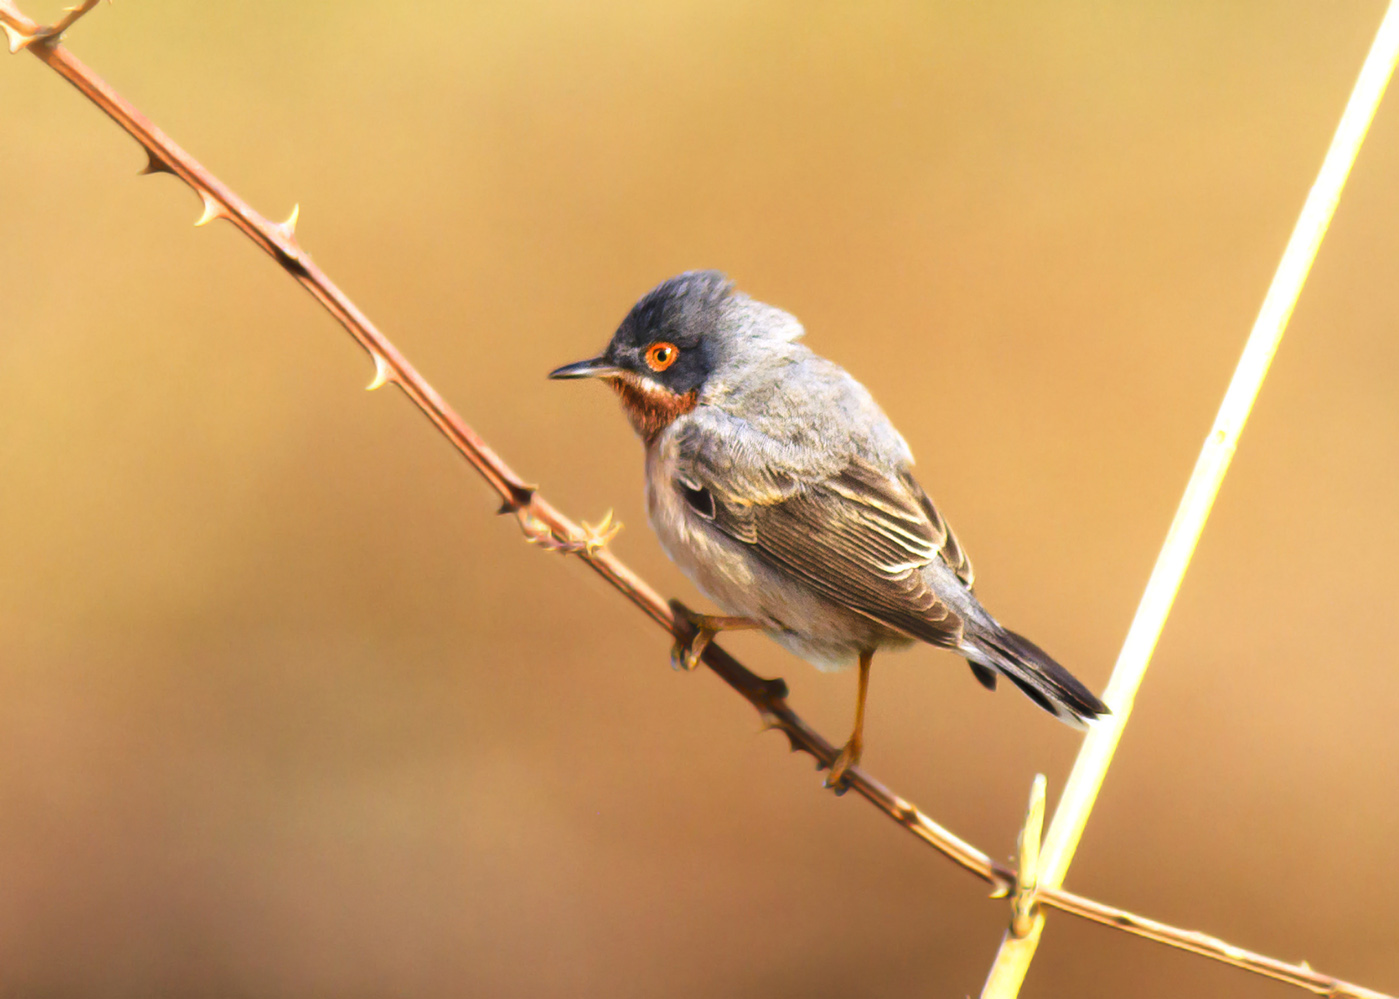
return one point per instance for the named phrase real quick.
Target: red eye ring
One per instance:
(662, 355)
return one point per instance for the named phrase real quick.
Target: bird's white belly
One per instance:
(712, 561)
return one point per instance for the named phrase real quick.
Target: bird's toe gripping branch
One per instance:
(838, 779)
(689, 648)
(685, 654)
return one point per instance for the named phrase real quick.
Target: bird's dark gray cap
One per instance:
(687, 305)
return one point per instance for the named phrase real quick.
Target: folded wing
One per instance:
(862, 538)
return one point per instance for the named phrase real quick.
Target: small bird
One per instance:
(780, 488)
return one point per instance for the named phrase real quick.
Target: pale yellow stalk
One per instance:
(1016, 952)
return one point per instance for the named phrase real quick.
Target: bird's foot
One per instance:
(837, 779)
(687, 652)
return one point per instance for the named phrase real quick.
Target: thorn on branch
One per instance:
(154, 164)
(383, 374)
(212, 210)
(17, 39)
(288, 228)
(520, 495)
(284, 242)
(769, 722)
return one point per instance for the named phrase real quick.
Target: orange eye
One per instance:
(660, 356)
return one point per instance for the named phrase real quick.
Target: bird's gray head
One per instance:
(673, 342)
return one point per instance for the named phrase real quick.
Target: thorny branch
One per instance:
(545, 525)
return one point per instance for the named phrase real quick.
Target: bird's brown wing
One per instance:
(951, 551)
(861, 538)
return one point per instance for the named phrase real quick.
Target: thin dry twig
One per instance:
(545, 525)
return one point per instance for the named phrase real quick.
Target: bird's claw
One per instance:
(838, 779)
(689, 649)
(686, 654)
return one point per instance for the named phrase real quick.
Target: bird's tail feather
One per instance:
(1035, 672)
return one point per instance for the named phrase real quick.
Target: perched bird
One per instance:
(777, 484)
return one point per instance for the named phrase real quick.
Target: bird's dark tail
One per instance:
(1033, 670)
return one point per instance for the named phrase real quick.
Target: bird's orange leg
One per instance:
(686, 654)
(850, 755)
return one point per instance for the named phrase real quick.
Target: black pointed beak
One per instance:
(594, 367)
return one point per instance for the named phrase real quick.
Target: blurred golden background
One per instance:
(286, 711)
